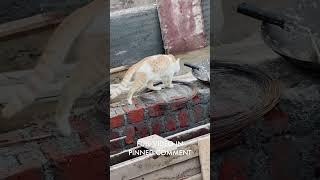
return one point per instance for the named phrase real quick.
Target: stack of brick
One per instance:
(164, 113)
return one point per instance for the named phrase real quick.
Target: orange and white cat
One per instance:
(146, 72)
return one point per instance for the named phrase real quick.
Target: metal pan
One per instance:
(201, 71)
(293, 33)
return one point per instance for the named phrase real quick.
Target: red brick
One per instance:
(156, 110)
(116, 121)
(27, 173)
(183, 119)
(83, 165)
(171, 124)
(130, 133)
(135, 114)
(197, 111)
(142, 130)
(178, 102)
(156, 128)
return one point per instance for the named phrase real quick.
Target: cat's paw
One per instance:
(157, 88)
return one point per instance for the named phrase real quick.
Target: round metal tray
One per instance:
(242, 95)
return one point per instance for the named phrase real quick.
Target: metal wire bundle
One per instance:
(226, 128)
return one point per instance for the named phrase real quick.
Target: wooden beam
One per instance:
(181, 136)
(28, 24)
(181, 170)
(204, 156)
(149, 163)
(195, 177)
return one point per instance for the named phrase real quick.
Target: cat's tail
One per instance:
(123, 86)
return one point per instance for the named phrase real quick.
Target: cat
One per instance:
(87, 27)
(146, 72)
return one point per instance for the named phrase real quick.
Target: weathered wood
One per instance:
(181, 170)
(195, 177)
(149, 163)
(181, 136)
(204, 156)
(27, 24)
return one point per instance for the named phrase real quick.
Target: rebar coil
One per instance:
(224, 129)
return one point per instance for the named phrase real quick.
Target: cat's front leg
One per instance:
(170, 85)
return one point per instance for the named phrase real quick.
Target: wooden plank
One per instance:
(181, 136)
(149, 163)
(27, 24)
(204, 156)
(181, 170)
(195, 177)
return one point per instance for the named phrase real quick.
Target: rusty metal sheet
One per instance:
(182, 25)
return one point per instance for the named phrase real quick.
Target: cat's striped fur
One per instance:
(146, 72)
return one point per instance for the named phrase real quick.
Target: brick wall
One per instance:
(164, 113)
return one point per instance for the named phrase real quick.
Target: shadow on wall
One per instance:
(233, 30)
